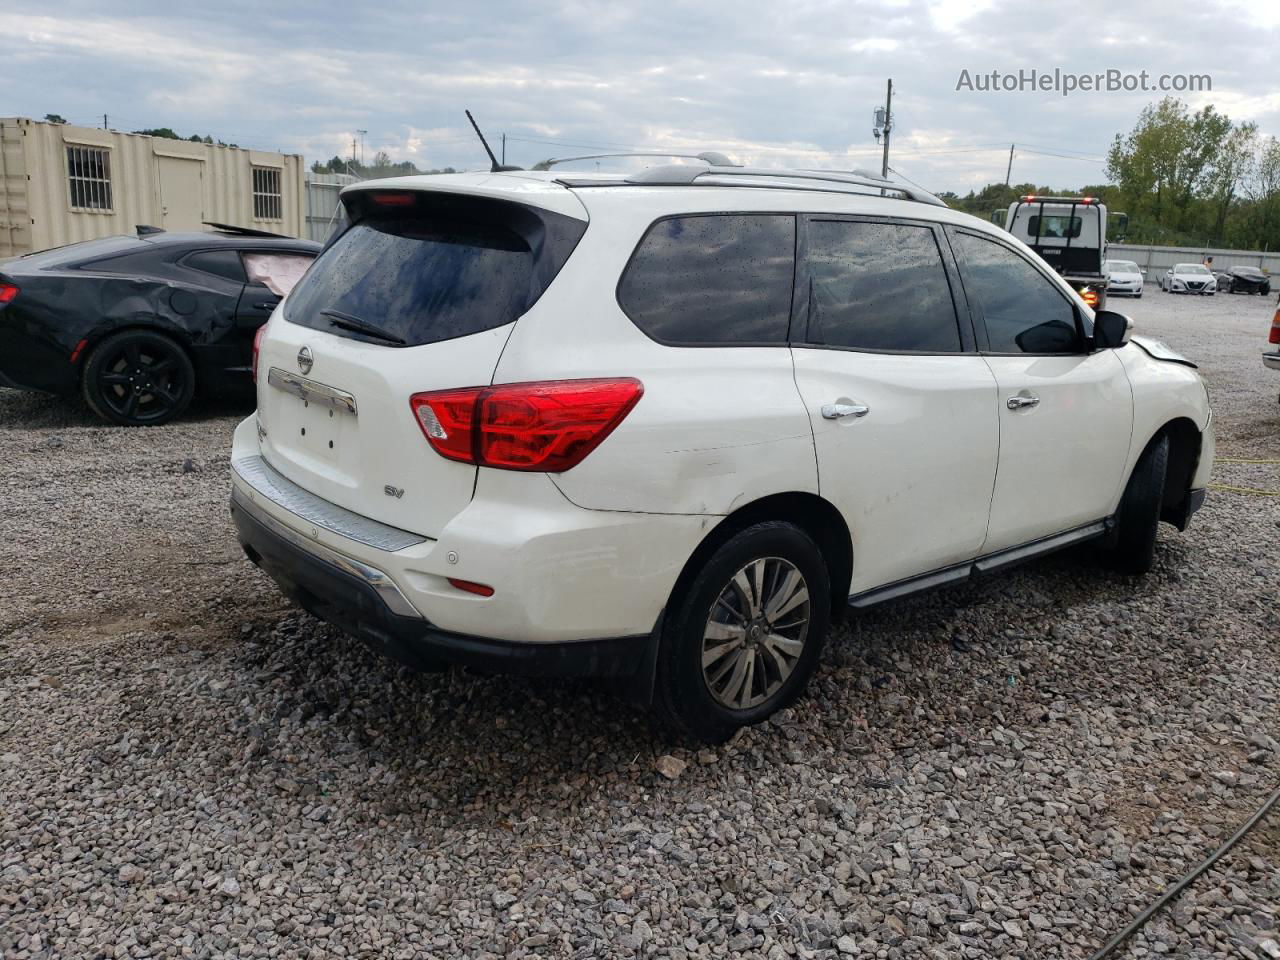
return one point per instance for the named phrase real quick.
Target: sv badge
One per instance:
(391, 491)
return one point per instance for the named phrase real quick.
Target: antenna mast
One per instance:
(494, 165)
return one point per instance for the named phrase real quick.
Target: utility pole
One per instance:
(888, 125)
(104, 121)
(1008, 171)
(362, 133)
(504, 148)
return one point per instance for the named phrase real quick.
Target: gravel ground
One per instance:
(1010, 768)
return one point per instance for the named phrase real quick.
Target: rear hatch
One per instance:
(419, 293)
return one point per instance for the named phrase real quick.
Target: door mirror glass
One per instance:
(1111, 329)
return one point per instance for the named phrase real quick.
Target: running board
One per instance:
(988, 564)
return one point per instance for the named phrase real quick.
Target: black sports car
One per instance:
(138, 324)
(1243, 280)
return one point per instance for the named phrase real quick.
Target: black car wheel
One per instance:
(138, 378)
(742, 638)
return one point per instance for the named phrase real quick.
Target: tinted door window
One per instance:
(1024, 311)
(879, 286)
(717, 279)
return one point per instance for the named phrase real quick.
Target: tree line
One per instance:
(382, 166)
(1185, 178)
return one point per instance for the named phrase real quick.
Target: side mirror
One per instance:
(1111, 329)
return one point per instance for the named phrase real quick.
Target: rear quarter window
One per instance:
(713, 279)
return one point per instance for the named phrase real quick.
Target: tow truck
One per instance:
(1070, 235)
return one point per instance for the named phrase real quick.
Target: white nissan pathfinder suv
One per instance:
(666, 426)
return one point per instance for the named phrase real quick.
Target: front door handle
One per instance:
(834, 411)
(1017, 403)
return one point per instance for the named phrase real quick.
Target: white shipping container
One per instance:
(61, 184)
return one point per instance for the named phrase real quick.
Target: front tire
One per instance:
(1133, 547)
(743, 636)
(138, 378)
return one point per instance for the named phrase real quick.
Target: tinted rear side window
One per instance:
(436, 269)
(713, 279)
(879, 286)
(221, 263)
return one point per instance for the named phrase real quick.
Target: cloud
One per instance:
(767, 83)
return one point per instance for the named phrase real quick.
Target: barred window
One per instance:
(266, 194)
(89, 177)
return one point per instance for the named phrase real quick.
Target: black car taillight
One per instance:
(7, 292)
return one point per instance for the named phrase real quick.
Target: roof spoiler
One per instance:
(245, 231)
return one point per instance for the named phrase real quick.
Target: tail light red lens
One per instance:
(1275, 328)
(257, 345)
(7, 292)
(393, 199)
(1090, 297)
(548, 426)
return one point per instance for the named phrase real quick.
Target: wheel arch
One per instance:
(811, 513)
(141, 325)
(1185, 442)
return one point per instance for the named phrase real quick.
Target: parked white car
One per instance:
(1189, 278)
(1124, 278)
(668, 426)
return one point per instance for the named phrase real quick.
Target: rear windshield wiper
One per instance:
(348, 322)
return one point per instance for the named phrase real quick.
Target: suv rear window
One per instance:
(713, 279)
(433, 267)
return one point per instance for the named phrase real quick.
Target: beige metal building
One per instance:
(60, 184)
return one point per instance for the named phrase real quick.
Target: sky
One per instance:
(790, 83)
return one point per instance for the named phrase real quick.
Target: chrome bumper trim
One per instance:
(313, 391)
(268, 482)
(1271, 360)
(384, 586)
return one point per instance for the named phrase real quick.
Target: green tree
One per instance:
(54, 118)
(166, 133)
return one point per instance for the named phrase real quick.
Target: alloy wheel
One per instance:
(755, 633)
(142, 380)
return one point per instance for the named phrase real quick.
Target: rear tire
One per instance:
(138, 378)
(743, 636)
(1134, 544)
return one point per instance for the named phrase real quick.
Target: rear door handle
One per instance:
(834, 411)
(1017, 403)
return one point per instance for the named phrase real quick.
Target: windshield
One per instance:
(1189, 268)
(1122, 266)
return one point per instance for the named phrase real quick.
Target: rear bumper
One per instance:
(563, 575)
(364, 602)
(1271, 360)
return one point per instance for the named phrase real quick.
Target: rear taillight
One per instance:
(7, 292)
(257, 345)
(1090, 296)
(1275, 327)
(548, 427)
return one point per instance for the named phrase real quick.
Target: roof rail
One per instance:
(684, 175)
(709, 157)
